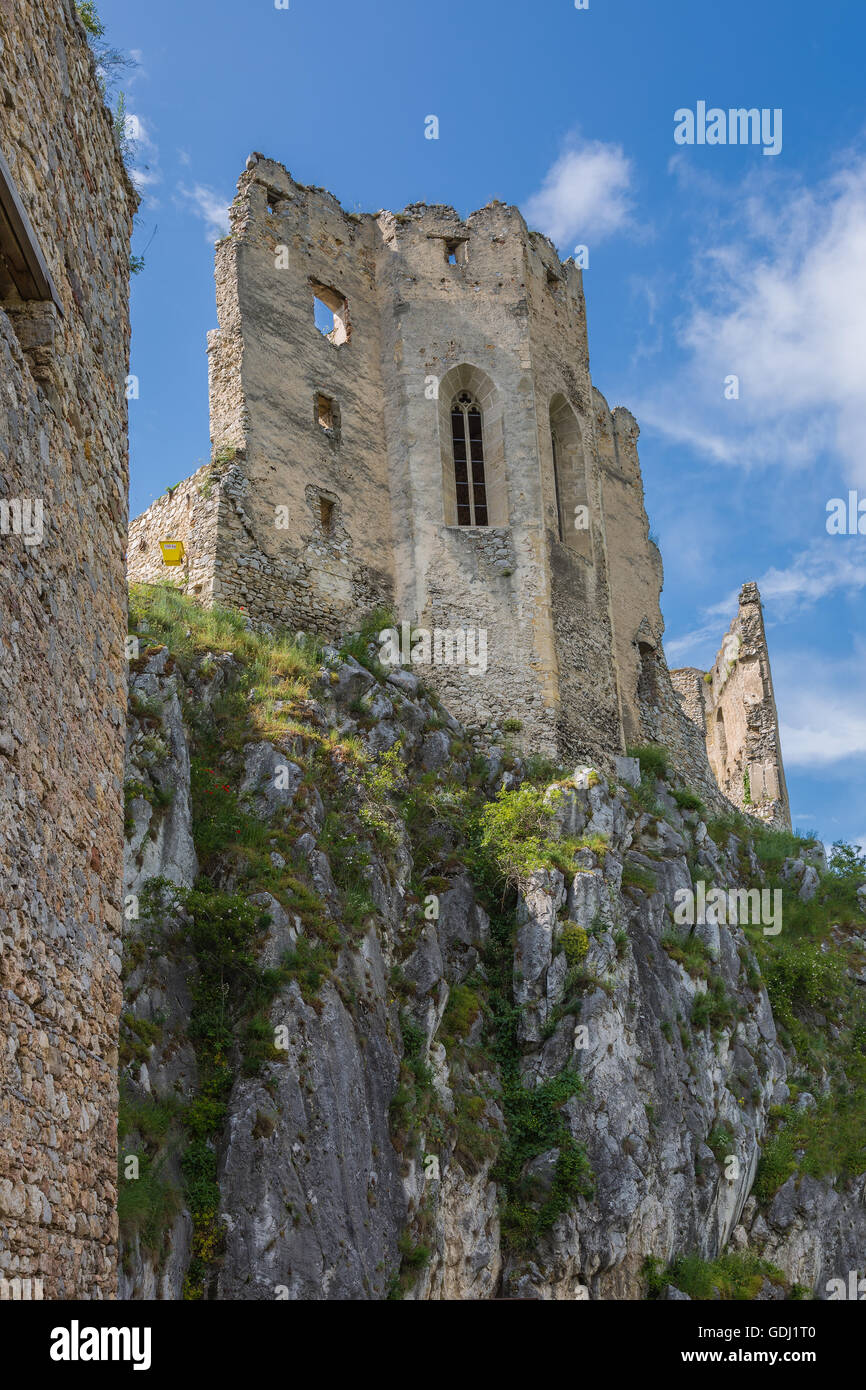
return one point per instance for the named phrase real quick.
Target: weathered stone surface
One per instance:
(62, 667)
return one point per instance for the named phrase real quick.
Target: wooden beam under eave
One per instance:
(20, 246)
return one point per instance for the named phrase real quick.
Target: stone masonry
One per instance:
(332, 488)
(65, 221)
(735, 708)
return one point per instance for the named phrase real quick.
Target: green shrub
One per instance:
(736, 1275)
(691, 952)
(633, 876)
(89, 17)
(688, 801)
(653, 760)
(798, 974)
(516, 832)
(574, 941)
(463, 1008)
(713, 1008)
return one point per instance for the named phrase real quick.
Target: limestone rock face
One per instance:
(371, 1151)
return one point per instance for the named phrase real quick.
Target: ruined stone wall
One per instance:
(304, 514)
(663, 720)
(652, 702)
(580, 574)
(691, 687)
(321, 518)
(741, 720)
(483, 324)
(634, 560)
(62, 668)
(188, 513)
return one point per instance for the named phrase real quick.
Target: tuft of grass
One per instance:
(736, 1275)
(691, 953)
(687, 800)
(653, 760)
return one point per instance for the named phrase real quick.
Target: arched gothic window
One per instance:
(556, 485)
(467, 438)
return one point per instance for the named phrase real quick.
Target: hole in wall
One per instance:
(326, 515)
(325, 411)
(331, 314)
(456, 250)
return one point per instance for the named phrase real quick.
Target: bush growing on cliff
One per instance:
(737, 1275)
(89, 17)
(517, 833)
(800, 975)
(574, 941)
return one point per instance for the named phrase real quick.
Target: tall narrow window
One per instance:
(467, 436)
(559, 523)
(721, 740)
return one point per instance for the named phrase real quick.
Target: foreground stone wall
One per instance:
(62, 668)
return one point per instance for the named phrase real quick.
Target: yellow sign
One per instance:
(173, 552)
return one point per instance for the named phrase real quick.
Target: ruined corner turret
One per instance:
(735, 705)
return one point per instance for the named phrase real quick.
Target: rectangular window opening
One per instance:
(456, 250)
(325, 412)
(331, 314)
(326, 515)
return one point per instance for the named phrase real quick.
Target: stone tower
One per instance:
(334, 486)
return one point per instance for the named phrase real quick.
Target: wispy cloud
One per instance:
(824, 721)
(832, 567)
(779, 305)
(585, 196)
(210, 207)
(144, 167)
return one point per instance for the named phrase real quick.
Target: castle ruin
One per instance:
(402, 416)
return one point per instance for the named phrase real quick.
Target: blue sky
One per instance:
(705, 262)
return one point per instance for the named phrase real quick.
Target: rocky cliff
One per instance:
(407, 1019)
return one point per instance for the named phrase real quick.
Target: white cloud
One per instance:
(144, 169)
(585, 195)
(824, 720)
(780, 306)
(830, 567)
(809, 742)
(210, 207)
